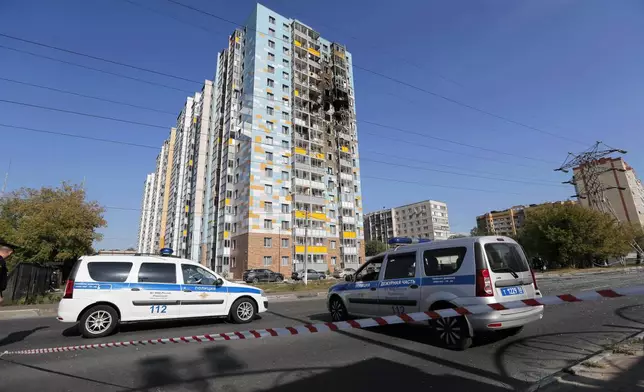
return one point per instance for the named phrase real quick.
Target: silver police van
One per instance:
(446, 274)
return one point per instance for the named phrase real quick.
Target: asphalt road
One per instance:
(362, 360)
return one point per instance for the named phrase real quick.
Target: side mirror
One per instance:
(348, 278)
(219, 282)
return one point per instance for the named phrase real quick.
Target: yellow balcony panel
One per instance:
(185, 233)
(318, 215)
(311, 249)
(319, 155)
(187, 208)
(226, 235)
(344, 149)
(298, 43)
(349, 234)
(227, 202)
(315, 52)
(300, 151)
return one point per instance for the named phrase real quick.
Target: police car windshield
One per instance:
(504, 257)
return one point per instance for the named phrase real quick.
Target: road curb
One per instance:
(574, 369)
(294, 297)
(16, 314)
(580, 273)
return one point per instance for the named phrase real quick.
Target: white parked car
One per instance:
(439, 275)
(104, 291)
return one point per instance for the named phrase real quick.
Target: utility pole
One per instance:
(306, 245)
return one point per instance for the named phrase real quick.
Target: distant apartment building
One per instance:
(147, 210)
(265, 166)
(622, 189)
(507, 222)
(425, 219)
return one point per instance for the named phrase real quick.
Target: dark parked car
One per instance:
(262, 275)
(312, 275)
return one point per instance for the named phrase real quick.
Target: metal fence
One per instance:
(28, 280)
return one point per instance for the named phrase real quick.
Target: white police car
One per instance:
(105, 290)
(444, 274)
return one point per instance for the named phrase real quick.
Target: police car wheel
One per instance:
(243, 311)
(338, 310)
(98, 321)
(453, 332)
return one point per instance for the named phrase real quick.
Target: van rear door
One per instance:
(509, 270)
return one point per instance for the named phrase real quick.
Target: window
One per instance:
(271, 20)
(271, 69)
(285, 62)
(158, 273)
(443, 261)
(268, 189)
(109, 271)
(284, 191)
(284, 129)
(505, 257)
(234, 245)
(401, 266)
(271, 32)
(271, 56)
(332, 244)
(285, 88)
(268, 206)
(268, 172)
(284, 160)
(271, 44)
(285, 209)
(285, 50)
(333, 260)
(233, 262)
(370, 271)
(285, 116)
(284, 261)
(269, 140)
(284, 242)
(284, 143)
(269, 125)
(270, 82)
(285, 175)
(285, 225)
(268, 242)
(285, 75)
(270, 96)
(193, 274)
(269, 156)
(286, 26)
(268, 224)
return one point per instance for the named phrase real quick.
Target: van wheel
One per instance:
(98, 321)
(338, 310)
(453, 332)
(243, 311)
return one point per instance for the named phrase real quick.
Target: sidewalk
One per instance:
(620, 368)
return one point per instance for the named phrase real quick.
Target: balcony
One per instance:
(346, 176)
(349, 220)
(309, 199)
(299, 231)
(349, 250)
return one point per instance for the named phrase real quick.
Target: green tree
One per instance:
(573, 236)
(372, 248)
(50, 224)
(476, 231)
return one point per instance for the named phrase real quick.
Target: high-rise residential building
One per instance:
(622, 189)
(147, 211)
(508, 222)
(265, 163)
(424, 219)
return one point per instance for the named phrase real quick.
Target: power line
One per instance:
(171, 17)
(395, 80)
(440, 186)
(82, 114)
(96, 69)
(86, 96)
(98, 58)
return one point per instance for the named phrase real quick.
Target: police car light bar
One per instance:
(166, 252)
(407, 240)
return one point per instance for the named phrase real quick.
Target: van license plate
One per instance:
(516, 290)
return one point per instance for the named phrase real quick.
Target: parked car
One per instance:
(107, 290)
(261, 275)
(312, 275)
(442, 275)
(341, 273)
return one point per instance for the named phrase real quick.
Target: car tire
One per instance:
(98, 321)
(338, 310)
(255, 280)
(243, 311)
(453, 332)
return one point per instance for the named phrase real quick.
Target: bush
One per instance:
(49, 298)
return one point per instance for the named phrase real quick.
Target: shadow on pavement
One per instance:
(19, 336)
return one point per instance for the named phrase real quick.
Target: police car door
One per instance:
(201, 297)
(362, 293)
(399, 290)
(156, 293)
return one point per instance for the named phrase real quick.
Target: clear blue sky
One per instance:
(574, 68)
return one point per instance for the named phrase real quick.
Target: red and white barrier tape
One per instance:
(354, 324)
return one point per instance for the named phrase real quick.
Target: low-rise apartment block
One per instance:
(425, 219)
(507, 222)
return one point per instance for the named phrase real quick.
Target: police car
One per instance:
(439, 275)
(106, 290)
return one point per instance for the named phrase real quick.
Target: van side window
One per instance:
(109, 271)
(370, 271)
(401, 266)
(195, 275)
(443, 261)
(158, 273)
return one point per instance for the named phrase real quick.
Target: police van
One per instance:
(422, 275)
(106, 290)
